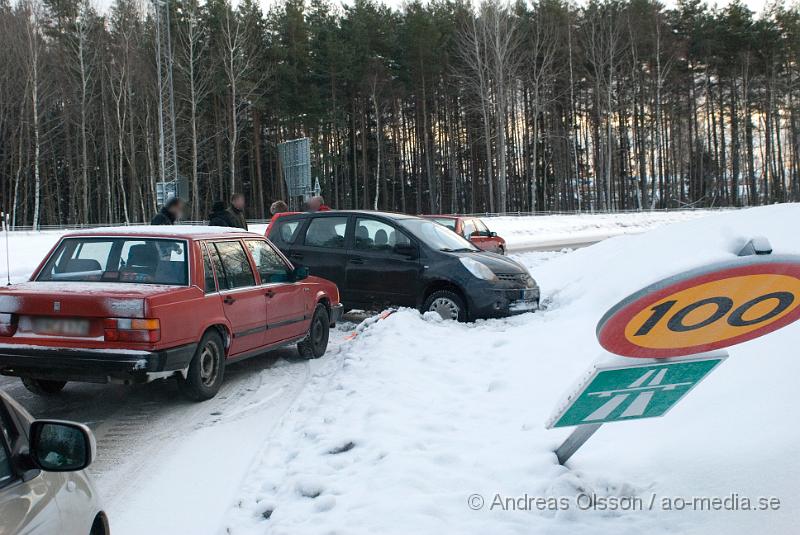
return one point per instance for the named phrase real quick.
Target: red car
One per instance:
(136, 304)
(473, 229)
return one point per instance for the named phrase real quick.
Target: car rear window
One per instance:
(448, 222)
(284, 231)
(123, 260)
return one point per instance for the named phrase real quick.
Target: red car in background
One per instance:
(474, 230)
(136, 304)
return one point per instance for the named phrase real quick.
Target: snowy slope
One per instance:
(397, 429)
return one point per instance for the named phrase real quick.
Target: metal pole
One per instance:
(6, 220)
(574, 441)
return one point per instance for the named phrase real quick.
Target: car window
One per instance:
(208, 271)
(235, 264)
(374, 235)
(222, 279)
(270, 265)
(7, 435)
(284, 231)
(123, 260)
(326, 232)
(468, 228)
(481, 228)
(435, 235)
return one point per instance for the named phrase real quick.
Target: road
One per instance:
(148, 435)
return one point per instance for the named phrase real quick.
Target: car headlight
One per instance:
(478, 269)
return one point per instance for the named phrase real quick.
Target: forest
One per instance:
(433, 107)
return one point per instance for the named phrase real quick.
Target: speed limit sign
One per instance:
(705, 309)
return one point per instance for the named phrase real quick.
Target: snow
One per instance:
(400, 427)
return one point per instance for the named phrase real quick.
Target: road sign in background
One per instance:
(705, 309)
(295, 160)
(618, 392)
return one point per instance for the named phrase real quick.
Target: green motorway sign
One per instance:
(613, 393)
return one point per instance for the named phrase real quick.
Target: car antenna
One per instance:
(6, 219)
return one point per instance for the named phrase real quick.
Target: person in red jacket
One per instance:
(317, 204)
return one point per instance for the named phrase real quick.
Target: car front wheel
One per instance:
(316, 342)
(206, 370)
(447, 304)
(43, 387)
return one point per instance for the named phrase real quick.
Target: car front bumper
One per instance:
(93, 365)
(492, 302)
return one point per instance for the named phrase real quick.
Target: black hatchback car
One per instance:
(379, 259)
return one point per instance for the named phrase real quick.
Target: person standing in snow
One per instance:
(236, 211)
(317, 204)
(219, 216)
(169, 213)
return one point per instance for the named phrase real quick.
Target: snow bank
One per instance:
(398, 431)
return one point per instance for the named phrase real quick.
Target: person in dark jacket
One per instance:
(236, 211)
(219, 216)
(169, 213)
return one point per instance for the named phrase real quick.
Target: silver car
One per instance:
(43, 486)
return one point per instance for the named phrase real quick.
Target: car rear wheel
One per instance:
(316, 343)
(43, 387)
(447, 304)
(206, 370)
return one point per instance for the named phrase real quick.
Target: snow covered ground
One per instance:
(27, 249)
(397, 431)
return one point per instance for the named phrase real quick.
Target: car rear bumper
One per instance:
(336, 313)
(93, 365)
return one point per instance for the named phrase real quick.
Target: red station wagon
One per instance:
(474, 230)
(136, 304)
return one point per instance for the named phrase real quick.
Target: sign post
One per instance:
(614, 392)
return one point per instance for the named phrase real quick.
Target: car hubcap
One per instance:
(209, 365)
(446, 308)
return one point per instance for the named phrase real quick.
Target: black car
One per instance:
(379, 259)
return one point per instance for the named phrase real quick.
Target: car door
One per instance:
(242, 299)
(377, 274)
(322, 248)
(286, 302)
(26, 507)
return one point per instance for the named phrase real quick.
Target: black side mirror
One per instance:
(492, 234)
(300, 273)
(59, 446)
(406, 249)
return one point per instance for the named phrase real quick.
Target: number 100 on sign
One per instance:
(705, 309)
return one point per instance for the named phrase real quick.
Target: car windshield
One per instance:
(437, 236)
(125, 260)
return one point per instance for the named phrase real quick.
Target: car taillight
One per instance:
(131, 330)
(8, 324)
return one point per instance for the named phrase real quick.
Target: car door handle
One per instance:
(229, 300)
(270, 293)
(356, 260)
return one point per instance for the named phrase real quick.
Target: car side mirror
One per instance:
(59, 446)
(406, 249)
(492, 234)
(300, 273)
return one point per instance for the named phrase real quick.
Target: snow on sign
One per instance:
(704, 309)
(613, 392)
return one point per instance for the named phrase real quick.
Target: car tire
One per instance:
(43, 387)
(316, 343)
(448, 304)
(206, 370)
